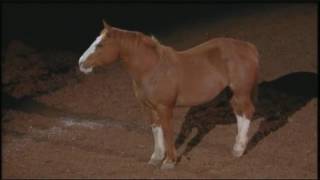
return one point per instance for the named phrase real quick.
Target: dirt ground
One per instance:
(59, 123)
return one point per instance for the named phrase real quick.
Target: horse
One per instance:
(164, 78)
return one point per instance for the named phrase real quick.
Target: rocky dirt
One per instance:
(59, 123)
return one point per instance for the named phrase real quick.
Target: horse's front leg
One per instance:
(159, 146)
(165, 115)
(158, 137)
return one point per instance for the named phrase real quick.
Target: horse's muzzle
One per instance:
(85, 69)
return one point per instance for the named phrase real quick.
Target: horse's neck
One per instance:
(138, 60)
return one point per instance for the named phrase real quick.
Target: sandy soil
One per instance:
(69, 125)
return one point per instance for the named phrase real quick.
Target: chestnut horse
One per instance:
(164, 78)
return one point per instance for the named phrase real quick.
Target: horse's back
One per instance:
(228, 47)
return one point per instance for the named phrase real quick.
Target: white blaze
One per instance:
(159, 147)
(87, 53)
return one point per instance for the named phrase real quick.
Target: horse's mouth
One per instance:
(85, 70)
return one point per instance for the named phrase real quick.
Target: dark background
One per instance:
(74, 26)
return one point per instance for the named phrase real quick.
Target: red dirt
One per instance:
(93, 127)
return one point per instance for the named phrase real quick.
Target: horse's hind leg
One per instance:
(243, 108)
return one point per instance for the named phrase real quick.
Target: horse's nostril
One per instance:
(84, 68)
(82, 65)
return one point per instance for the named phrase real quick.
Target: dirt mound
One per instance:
(28, 72)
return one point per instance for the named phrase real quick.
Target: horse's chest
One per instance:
(140, 93)
(143, 94)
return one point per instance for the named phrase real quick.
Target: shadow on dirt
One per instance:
(27, 104)
(277, 101)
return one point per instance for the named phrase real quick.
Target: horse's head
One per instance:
(103, 50)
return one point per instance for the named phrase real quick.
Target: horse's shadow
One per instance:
(277, 101)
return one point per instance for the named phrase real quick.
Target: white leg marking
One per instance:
(243, 125)
(159, 147)
(87, 53)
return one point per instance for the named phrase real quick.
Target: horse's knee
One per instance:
(154, 119)
(249, 110)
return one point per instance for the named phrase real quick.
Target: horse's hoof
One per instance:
(237, 153)
(155, 162)
(167, 165)
(238, 149)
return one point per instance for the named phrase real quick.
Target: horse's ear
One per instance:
(105, 25)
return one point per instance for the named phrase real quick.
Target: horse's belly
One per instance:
(196, 91)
